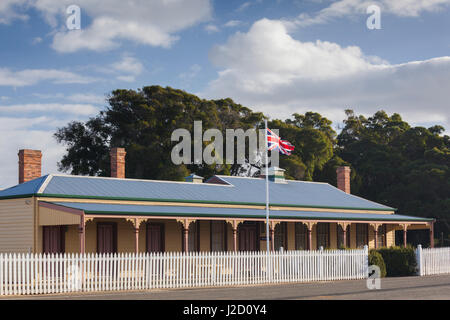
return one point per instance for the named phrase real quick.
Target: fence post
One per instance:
(419, 260)
(366, 261)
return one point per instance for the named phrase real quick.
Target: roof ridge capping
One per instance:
(259, 178)
(142, 180)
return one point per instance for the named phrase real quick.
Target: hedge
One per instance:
(399, 261)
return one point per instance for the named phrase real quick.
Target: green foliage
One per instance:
(375, 258)
(404, 167)
(399, 261)
(142, 122)
(392, 163)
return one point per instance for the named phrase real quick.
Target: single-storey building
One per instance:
(63, 213)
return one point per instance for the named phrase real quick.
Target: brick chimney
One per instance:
(118, 162)
(343, 178)
(29, 165)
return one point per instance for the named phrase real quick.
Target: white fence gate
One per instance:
(432, 260)
(40, 274)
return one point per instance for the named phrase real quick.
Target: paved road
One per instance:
(410, 288)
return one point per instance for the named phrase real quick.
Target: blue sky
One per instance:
(278, 57)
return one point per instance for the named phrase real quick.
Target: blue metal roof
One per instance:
(26, 188)
(191, 211)
(234, 190)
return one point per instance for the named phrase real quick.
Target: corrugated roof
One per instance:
(26, 188)
(191, 211)
(236, 190)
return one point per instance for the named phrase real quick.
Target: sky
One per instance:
(274, 56)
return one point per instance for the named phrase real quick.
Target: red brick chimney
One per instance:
(118, 162)
(343, 178)
(29, 165)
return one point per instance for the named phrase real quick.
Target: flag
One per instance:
(274, 142)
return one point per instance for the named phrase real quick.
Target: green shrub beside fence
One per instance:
(399, 261)
(375, 258)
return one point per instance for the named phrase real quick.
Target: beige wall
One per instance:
(17, 225)
(390, 235)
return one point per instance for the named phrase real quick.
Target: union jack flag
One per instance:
(274, 142)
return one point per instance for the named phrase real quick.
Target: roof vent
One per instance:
(194, 178)
(275, 174)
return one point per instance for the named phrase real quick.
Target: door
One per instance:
(248, 237)
(155, 237)
(218, 236)
(53, 239)
(106, 237)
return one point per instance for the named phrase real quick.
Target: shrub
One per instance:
(399, 261)
(375, 258)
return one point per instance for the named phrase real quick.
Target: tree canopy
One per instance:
(392, 162)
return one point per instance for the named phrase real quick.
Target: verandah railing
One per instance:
(433, 260)
(62, 273)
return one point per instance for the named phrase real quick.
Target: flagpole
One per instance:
(267, 199)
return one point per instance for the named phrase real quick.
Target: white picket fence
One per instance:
(433, 260)
(22, 274)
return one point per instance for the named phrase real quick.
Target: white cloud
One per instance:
(128, 68)
(9, 10)
(244, 6)
(78, 109)
(128, 65)
(211, 28)
(30, 77)
(153, 23)
(232, 23)
(19, 137)
(343, 8)
(87, 98)
(248, 4)
(76, 97)
(37, 40)
(267, 70)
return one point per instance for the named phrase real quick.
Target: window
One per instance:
(362, 234)
(53, 239)
(323, 235)
(381, 239)
(194, 237)
(106, 237)
(301, 236)
(155, 237)
(280, 236)
(218, 235)
(340, 236)
(349, 240)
